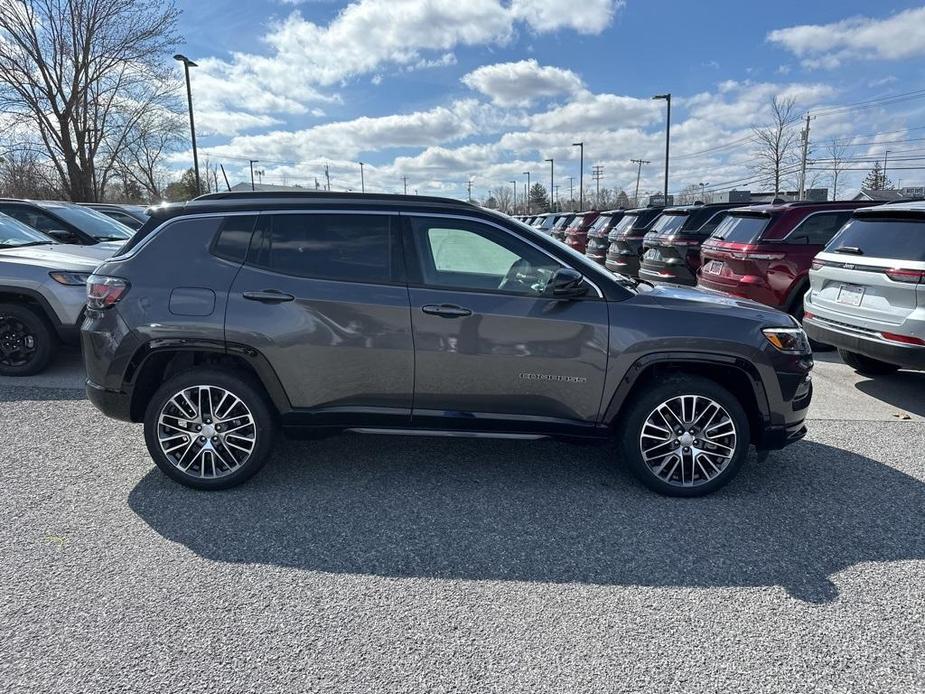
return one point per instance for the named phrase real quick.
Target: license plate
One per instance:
(850, 295)
(714, 267)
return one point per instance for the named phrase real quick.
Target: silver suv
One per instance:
(42, 295)
(867, 290)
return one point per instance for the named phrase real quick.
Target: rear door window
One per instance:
(894, 238)
(818, 229)
(667, 224)
(344, 247)
(741, 228)
(234, 238)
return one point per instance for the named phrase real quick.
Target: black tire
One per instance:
(27, 341)
(866, 366)
(634, 416)
(241, 385)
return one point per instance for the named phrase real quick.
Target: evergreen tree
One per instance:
(539, 201)
(876, 179)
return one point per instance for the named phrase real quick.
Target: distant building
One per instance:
(658, 200)
(879, 195)
(748, 197)
(743, 196)
(913, 191)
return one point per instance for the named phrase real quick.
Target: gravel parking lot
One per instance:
(395, 564)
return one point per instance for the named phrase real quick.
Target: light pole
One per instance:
(886, 157)
(187, 64)
(514, 201)
(362, 179)
(581, 175)
(527, 192)
(667, 98)
(552, 181)
(252, 162)
(703, 197)
(571, 189)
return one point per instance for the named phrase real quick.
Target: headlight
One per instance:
(788, 340)
(72, 279)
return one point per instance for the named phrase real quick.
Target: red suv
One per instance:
(764, 252)
(598, 235)
(576, 235)
(672, 247)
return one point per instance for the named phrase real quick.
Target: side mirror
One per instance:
(566, 283)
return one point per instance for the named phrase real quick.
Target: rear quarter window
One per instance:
(893, 238)
(234, 237)
(741, 228)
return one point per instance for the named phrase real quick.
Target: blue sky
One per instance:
(446, 90)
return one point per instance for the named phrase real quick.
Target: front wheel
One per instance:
(27, 343)
(209, 429)
(687, 436)
(866, 366)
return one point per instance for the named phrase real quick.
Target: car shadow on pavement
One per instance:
(545, 511)
(904, 390)
(20, 393)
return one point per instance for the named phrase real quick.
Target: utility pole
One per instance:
(581, 176)
(805, 137)
(327, 177)
(886, 157)
(259, 175)
(362, 179)
(597, 173)
(514, 201)
(527, 194)
(552, 180)
(639, 163)
(252, 162)
(571, 188)
(469, 190)
(558, 205)
(404, 180)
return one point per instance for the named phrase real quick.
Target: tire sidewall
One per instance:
(242, 386)
(44, 337)
(647, 401)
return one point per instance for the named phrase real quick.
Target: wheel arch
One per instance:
(736, 375)
(13, 294)
(158, 360)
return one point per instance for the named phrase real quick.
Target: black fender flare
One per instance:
(257, 361)
(47, 311)
(632, 374)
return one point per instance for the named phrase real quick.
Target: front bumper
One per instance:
(853, 339)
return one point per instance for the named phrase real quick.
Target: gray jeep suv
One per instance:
(417, 315)
(42, 295)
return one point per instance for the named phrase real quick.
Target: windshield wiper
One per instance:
(111, 238)
(853, 250)
(28, 243)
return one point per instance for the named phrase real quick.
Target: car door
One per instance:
(492, 350)
(322, 296)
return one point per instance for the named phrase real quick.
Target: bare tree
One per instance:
(23, 174)
(837, 149)
(688, 195)
(504, 197)
(80, 73)
(777, 143)
(156, 133)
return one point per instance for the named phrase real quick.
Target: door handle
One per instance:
(446, 310)
(268, 296)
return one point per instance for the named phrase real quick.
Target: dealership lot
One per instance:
(388, 563)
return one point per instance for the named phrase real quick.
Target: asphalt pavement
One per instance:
(368, 564)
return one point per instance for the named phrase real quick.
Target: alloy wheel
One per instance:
(688, 440)
(206, 431)
(17, 343)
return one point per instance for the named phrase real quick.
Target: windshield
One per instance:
(741, 228)
(14, 233)
(98, 225)
(897, 239)
(669, 223)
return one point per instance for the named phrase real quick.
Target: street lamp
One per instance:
(252, 162)
(514, 188)
(552, 204)
(581, 176)
(362, 180)
(702, 195)
(187, 64)
(527, 192)
(667, 98)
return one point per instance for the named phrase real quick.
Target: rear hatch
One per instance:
(626, 240)
(734, 251)
(873, 271)
(656, 244)
(598, 243)
(558, 230)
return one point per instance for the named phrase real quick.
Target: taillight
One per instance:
(818, 264)
(757, 256)
(911, 276)
(904, 339)
(807, 314)
(103, 292)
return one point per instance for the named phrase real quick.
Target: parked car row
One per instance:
(48, 251)
(790, 256)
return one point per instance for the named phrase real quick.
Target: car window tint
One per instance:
(741, 228)
(346, 247)
(234, 237)
(468, 255)
(818, 229)
(896, 238)
(35, 219)
(706, 227)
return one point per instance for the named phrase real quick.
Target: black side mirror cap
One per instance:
(566, 283)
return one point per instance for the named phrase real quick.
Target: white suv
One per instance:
(867, 290)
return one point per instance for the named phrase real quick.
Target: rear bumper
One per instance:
(844, 337)
(748, 287)
(675, 273)
(624, 264)
(115, 404)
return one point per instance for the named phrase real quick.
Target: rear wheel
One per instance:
(209, 429)
(687, 436)
(866, 366)
(27, 343)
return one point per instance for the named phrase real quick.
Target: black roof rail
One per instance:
(325, 194)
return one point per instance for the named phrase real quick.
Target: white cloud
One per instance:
(598, 112)
(586, 17)
(231, 122)
(899, 37)
(521, 83)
